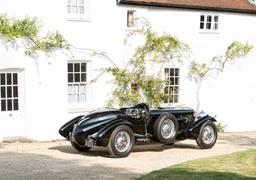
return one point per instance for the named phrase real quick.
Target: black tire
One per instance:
(112, 140)
(203, 144)
(158, 126)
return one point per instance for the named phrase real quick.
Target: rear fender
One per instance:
(195, 129)
(104, 134)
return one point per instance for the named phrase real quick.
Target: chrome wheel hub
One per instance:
(167, 129)
(122, 141)
(208, 135)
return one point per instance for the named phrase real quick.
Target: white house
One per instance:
(38, 96)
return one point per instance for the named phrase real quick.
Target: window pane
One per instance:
(166, 90)
(177, 71)
(9, 79)
(81, 10)
(215, 26)
(171, 81)
(15, 105)
(72, 2)
(71, 98)
(81, 2)
(208, 26)
(83, 77)
(77, 67)
(15, 91)
(3, 105)
(70, 89)
(15, 78)
(76, 98)
(83, 67)
(171, 72)
(73, 9)
(82, 98)
(130, 18)
(202, 18)
(75, 88)
(209, 18)
(175, 98)
(9, 104)
(202, 25)
(176, 81)
(176, 90)
(70, 67)
(9, 92)
(69, 10)
(216, 18)
(70, 78)
(3, 95)
(77, 77)
(2, 76)
(82, 88)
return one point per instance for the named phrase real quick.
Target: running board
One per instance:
(142, 137)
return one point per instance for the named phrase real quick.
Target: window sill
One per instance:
(79, 18)
(209, 32)
(79, 110)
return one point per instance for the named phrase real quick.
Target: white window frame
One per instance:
(80, 105)
(19, 112)
(212, 23)
(174, 84)
(86, 16)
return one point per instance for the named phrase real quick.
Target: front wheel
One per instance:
(121, 141)
(207, 136)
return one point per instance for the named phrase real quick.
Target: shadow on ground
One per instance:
(237, 139)
(103, 151)
(38, 167)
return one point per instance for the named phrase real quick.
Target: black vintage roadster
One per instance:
(119, 129)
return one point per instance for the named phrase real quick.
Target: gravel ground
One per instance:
(57, 160)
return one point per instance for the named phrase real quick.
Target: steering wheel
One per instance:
(144, 110)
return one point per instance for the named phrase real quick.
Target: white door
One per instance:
(12, 120)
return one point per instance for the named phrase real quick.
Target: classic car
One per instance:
(120, 129)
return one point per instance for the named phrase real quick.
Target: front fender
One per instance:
(104, 134)
(68, 127)
(195, 129)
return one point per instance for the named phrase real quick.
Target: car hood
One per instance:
(97, 119)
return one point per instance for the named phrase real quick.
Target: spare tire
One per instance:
(165, 128)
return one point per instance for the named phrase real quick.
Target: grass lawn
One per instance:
(241, 165)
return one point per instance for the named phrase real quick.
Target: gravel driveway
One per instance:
(57, 160)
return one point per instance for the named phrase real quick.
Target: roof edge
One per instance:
(181, 6)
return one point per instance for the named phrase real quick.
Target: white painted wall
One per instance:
(229, 96)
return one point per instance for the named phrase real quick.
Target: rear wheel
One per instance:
(121, 141)
(207, 136)
(165, 129)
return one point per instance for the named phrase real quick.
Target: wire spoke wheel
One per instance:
(122, 141)
(167, 129)
(208, 135)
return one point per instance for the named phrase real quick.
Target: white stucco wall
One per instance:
(44, 107)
